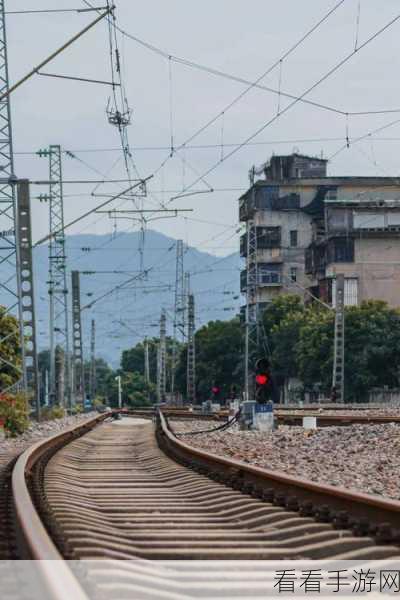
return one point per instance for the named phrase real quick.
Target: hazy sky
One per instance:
(241, 38)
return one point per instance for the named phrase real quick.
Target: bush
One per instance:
(14, 414)
(77, 409)
(49, 413)
(99, 401)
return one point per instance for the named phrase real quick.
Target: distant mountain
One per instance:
(131, 312)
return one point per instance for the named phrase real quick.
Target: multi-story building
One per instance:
(303, 227)
(356, 231)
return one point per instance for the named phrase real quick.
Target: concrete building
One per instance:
(303, 227)
(357, 234)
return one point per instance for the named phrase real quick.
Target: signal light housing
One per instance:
(263, 380)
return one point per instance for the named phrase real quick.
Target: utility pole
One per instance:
(10, 279)
(179, 309)
(92, 361)
(338, 355)
(78, 369)
(118, 378)
(58, 288)
(252, 316)
(146, 365)
(27, 296)
(191, 355)
(60, 375)
(161, 362)
(46, 388)
(146, 361)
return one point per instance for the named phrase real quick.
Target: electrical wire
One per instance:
(322, 79)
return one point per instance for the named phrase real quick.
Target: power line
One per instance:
(331, 71)
(211, 146)
(55, 10)
(188, 63)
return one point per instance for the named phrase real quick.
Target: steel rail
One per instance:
(33, 540)
(379, 516)
(283, 417)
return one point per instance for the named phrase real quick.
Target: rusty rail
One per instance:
(364, 513)
(34, 542)
(282, 416)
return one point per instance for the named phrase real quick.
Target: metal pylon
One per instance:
(338, 351)
(191, 354)
(58, 288)
(92, 382)
(162, 355)
(179, 309)
(78, 366)
(10, 282)
(27, 299)
(252, 312)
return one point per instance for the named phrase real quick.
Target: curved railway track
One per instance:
(120, 490)
(284, 416)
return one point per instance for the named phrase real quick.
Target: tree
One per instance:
(135, 391)
(10, 363)
(133, 360)
(219, 358)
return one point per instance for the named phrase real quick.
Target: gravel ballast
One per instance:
(364, 458)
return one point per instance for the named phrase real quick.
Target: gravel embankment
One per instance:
(38, 431)
(10, 449)
(366, 412)
(365, 458)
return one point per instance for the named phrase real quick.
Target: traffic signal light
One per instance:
(215, 390)
(264, 382)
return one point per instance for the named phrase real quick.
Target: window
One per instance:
(269, 273)
(293, 238)
(293, 273)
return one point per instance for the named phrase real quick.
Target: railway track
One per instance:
(282, 416)
(120, 490)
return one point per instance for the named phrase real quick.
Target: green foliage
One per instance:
(98, 401)
(135, 391)
(10, 350)
(14, 413)
(49, 413)
(301, 343)
(77, 409)
(219, 358)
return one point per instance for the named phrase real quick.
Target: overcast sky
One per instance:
(241, 38)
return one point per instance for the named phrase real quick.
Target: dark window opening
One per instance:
(293, 238)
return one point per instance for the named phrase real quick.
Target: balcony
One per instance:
(268, 274)
(266, 197)
(336, 250)
(267, 238)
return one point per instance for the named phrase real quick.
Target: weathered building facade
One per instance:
(303, 227)
(357, 233)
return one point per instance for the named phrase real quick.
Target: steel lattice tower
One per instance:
(338, 356)
(179, 309)
(78, 369)
(252, 312)
(10, 282)
(191, 355)
(58, 288)
(162, 355)
(92, 383)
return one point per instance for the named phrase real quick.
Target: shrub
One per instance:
(14, 414)
(49, 413)
(99, 401)
(77, 409)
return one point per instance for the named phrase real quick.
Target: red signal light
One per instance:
(262, 379)
(215, 390)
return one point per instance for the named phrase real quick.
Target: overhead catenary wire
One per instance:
(274, 118)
